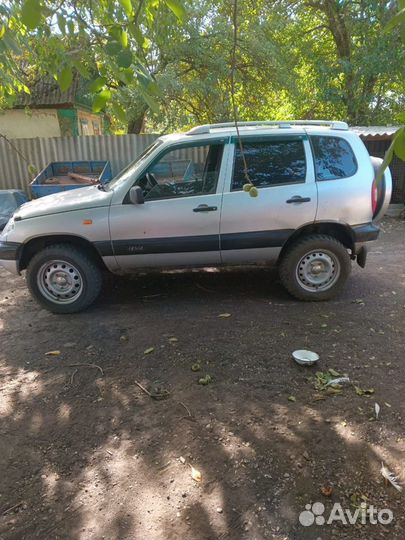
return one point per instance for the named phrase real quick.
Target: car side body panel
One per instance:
(347, 200)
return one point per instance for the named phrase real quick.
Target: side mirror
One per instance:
(136, 195)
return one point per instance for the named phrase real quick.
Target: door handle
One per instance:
(298, 199)
(205, 208)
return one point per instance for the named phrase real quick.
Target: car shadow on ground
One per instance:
(88, 454)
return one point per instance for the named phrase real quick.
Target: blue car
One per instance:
(10, 200)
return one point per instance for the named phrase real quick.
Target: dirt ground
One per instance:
(87, 454)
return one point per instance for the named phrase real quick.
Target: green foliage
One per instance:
(399, 143)
(65, 78)
(100, 100)
(167, 62)
(127, 6)
(31, 13)
(177, 8)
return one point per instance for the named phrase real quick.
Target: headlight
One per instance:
(8, 228)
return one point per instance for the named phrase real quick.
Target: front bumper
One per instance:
(9, 256)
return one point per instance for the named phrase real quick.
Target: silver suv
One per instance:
(182, 203)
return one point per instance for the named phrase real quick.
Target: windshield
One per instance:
(133, 166)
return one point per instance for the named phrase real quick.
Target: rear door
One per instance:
(281, 167)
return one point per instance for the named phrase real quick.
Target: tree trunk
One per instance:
(340, 33)
(136, 125)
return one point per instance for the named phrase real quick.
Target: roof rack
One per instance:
(206, 128)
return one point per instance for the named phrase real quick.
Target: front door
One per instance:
(255, 229)
(178, 225)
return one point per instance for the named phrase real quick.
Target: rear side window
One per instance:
(270, 163)
(334, 158)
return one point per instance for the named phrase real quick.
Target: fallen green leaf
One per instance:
(204, 380)
(333, 372)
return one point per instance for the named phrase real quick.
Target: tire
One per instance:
(315, 268)
(63, 279)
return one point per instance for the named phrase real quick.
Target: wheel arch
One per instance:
(34, 245)
(340, 231)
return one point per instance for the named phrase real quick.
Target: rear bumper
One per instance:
(365, 233)
(9, 256)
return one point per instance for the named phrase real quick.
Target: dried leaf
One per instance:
(224, 315)
(52, 353)
(327, 491)
(173, 339)
(318, 397)
(334, 391)
(292, 398)
(364, 391)
(148, 351)
(195, 474)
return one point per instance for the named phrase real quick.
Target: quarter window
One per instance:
(270, 163)
(334, 158)
(183, 172)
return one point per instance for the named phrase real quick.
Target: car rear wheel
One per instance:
(315, 268)
(63, 279)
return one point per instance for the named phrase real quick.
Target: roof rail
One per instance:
(206, 128)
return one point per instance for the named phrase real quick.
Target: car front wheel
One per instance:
(315, 268)
(63, 279)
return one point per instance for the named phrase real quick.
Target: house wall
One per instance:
(89, 124)
(19, 124)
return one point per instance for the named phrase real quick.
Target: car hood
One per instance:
(65, 201)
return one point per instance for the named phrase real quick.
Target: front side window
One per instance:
(334, 158)
(270, 163)
(183, 172)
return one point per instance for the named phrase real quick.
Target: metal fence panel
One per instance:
(118, 149)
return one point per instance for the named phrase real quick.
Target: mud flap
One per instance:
(362, 257)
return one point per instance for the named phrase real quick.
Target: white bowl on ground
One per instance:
(305, 358)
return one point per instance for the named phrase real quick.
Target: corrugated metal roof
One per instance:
(46, 92)
(375, 131)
